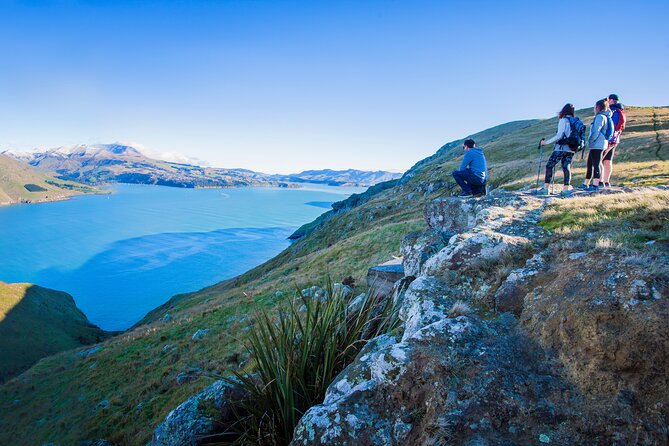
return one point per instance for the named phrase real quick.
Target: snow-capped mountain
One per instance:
(123, 163)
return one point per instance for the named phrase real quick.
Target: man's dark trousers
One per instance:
(469, 182)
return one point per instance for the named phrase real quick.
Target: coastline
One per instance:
(55, 199)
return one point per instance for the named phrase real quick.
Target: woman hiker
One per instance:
(561, 152)
(597, 143)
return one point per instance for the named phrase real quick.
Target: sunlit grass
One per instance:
(626, 218)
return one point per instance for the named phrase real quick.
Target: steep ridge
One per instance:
(365, 230)
(36, 322)
(585, 362)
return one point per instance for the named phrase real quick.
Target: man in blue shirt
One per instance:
(473, 172)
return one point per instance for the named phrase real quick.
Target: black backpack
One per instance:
(576, 138)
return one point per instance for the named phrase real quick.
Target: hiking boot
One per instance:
(607, 184)
(567, 193)
(583, 187)
(592, 188)
(542, 191)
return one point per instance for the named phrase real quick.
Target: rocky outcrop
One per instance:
(204, 415)
(418, 247)
(607, 321)
(536, 358)
(381, 278)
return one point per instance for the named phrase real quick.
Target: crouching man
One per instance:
(473, 172)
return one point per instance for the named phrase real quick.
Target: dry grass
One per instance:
(460, 308)
(618, 220)
(606, 243)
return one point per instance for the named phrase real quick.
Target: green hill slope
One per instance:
(20, 183)
(61, 397)
(36, 322)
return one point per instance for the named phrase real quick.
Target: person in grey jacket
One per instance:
(597, 143)
(473, 172)
(561, 152)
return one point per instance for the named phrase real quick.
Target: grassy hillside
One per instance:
(20, 183)
(61, 398)
(36, 322)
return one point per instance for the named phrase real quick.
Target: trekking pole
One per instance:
(541, 150)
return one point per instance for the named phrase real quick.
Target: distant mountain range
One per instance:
(105, 163)
(350, 177)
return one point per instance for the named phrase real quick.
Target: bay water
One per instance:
(123, 254)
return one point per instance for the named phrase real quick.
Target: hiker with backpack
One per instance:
(601, 131)
(619, 120)
(568, 140)
(473, 172)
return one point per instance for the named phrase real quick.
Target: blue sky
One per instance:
(282, 86)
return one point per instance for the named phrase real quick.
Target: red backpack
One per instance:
(619, 121)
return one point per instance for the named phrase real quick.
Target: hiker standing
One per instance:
(473, 172)
(619, 119)
(562, 153)
(601, 131)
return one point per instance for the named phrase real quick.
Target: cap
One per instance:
(613, 97)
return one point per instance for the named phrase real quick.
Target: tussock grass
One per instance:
(297, 355)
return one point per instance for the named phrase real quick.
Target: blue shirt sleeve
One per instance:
(466, 161)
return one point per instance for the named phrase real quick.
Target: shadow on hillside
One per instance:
(41, 322)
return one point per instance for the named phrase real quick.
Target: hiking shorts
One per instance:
(609, 155)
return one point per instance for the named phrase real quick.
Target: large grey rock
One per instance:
(381, 278)
(207, 413)
(451, 214)
(470, 248)
(417, 247)
(447, 381)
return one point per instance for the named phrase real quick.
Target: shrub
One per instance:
(297, 355)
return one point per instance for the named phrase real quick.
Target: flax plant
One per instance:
(297, 354)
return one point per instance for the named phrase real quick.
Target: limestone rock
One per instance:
(206, 413)
(451, 214)
(469, 248)
(417, 247)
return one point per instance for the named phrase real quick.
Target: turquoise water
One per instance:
(121, 255)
